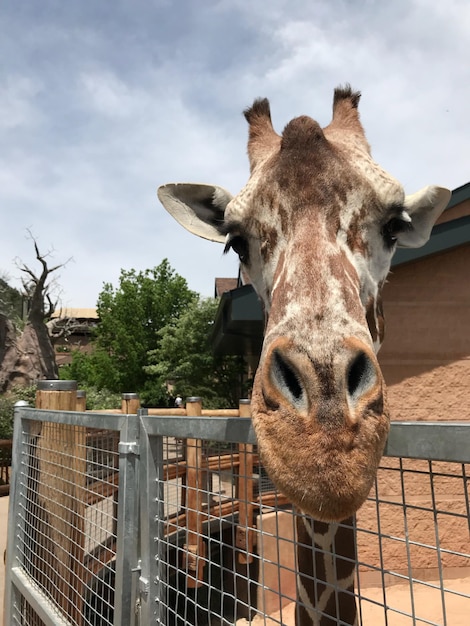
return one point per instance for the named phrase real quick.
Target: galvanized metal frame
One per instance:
(439, 441)
(18, 584)
(140, 574)
(436, 441)
(151, 579)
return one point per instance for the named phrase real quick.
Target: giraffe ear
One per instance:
(423, 207)
(199, 208)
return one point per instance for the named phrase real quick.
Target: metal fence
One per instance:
(139, 519)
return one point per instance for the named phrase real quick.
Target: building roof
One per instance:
(451, 230)
(239, 323)
(75, 313)
(459, 195)
(224, 284)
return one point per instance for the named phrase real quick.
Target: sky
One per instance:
(103, 101)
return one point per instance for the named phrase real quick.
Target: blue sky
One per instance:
(101, 102)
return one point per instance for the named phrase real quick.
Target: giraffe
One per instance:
(315, 229)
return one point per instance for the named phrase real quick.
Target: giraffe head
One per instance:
(315, 229)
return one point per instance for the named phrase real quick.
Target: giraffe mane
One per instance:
(302, 133)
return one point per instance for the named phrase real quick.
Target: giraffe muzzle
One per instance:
(321, 423)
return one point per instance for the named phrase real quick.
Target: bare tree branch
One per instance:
(31, 356)
(36, 287)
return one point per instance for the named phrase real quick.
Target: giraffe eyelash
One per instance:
(395, 225)
(238, 244)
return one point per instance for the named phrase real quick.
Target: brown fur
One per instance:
(262, 137)
(310, 227)
(303, 180)
(311, 565)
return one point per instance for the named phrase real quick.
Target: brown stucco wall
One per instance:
(426, 363)
(426, 354)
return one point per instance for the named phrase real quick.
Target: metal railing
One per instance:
(171, 519)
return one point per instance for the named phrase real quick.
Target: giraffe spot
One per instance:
(269, 237)
(375, 318)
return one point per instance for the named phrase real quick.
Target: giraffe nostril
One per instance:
(361, 376)
(285, 376)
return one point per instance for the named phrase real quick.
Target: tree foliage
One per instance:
(11, 301)
(184, 358)
(7, 407)
(131, 316)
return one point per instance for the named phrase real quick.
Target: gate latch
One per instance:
(130, 447)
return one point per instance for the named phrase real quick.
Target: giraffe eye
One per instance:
(392, 229)
(240, 245)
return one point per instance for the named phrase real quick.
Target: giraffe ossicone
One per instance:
(315, 228)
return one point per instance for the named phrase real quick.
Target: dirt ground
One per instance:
(427, 604)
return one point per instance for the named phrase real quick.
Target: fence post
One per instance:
(80, 404)
(194, 549)
(244, 533)
(130, 403)
(56, 395)
(61, 488)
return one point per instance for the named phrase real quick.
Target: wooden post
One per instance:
(61, 487)
(80, 404)
(56, 395)
(194, 549)
(245, 533)
(130, 403)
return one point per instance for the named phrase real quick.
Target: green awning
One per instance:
(239, 323)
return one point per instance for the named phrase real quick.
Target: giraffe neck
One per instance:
(326, 560)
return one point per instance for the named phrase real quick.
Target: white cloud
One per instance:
(17, 106)
(99, 107)
(108, 95)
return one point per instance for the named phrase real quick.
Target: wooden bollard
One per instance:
(80, 404)
(194, 548)
(61, 489)
(130, 403)
(56, 395)
(244, 537)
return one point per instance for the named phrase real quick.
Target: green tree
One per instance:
(11, 301)
(131, 316)
(7, 406)
(185, 361)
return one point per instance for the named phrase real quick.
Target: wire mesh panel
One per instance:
(65, 519)
(25, 614)
(232, 549)
(413, 545)
(216, 509)
(213, 542)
